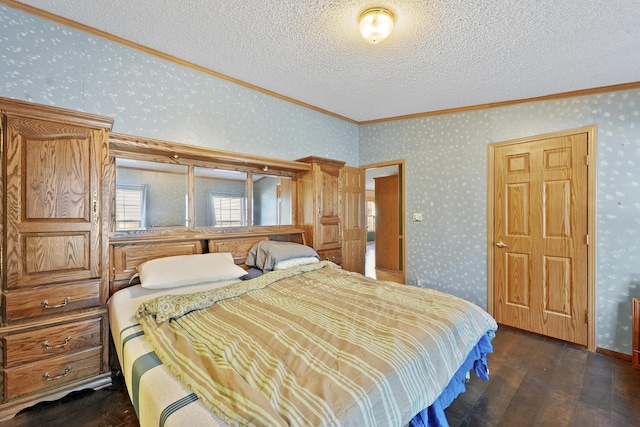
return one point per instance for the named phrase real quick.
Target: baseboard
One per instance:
(614, 354)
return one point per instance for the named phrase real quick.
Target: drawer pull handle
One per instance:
(46, 376)
(47, 346)
(45, 304)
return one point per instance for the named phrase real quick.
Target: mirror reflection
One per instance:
(271, 200)
(150, 195)
(220, 198)
(154, 195)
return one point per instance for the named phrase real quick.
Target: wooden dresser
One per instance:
(54, 329)
(319, 206)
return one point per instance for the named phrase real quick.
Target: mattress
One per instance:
(160, 399)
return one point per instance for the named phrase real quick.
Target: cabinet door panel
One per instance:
(328, 233)
(46, 254)
(328, 193)
(328, 223)
(53, 213)
(56, 178)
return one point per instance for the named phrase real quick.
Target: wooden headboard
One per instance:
(240, 245)
(127, 255)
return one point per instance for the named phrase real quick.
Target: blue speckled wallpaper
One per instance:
(446, 155)
(446, 169)
(45, 62)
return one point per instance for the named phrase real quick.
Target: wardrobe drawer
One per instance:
(47, 342)
(51, 300)
(333, 255)
(52, 372)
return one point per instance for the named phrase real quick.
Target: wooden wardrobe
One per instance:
(54, 329)
(318, 212)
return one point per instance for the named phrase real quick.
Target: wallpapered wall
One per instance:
(446, 155)
(446, 169)
(48, 63)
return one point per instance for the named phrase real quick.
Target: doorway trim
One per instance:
(591, 132)
(403, 225)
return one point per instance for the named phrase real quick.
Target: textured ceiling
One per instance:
(442, 54)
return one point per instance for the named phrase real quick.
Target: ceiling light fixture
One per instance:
(376, 24)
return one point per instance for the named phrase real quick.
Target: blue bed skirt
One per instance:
(433, 416)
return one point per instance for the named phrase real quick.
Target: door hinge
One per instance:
(586, 239)
(587, 159)
(586, 316)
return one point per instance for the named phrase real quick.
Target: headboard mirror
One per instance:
(220, 198)
(150, 195)
(272, 199)
(163, 187)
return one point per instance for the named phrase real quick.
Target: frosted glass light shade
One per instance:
(376, 24)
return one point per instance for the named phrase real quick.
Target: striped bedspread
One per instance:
(314, 345)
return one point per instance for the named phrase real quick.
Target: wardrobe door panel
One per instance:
(53, 188)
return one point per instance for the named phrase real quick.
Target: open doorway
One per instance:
(385, 245)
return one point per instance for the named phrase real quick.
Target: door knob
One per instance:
(502, 244)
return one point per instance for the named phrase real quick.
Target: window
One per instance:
(131, 207)
(227, 210)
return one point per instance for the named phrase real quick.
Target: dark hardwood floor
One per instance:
(537, 381)
(534, 382)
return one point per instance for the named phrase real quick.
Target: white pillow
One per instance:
(183, 270)
(294, 262)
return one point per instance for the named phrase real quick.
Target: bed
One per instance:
(282, 344)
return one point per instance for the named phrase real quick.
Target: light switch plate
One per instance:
(416, 217)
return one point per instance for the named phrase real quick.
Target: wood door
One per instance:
(540, 236)
(328, 225)
(53, 193)
(387, 223)
(354, 231)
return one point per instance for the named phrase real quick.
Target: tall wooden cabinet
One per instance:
(54, 329)
(319, 206)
